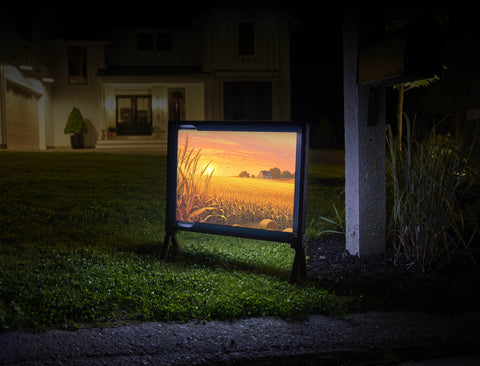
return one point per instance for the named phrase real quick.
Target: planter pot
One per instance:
(76, 141)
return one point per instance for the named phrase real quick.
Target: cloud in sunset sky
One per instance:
(232, 152)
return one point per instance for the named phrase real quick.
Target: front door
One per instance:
(134, 115)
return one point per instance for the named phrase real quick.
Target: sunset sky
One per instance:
(232, 152)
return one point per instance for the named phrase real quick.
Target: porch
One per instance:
(133, 143)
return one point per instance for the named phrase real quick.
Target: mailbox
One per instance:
(412, 53)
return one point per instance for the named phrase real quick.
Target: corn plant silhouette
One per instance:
(194, 203)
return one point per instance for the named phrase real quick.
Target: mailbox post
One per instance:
(411, 54)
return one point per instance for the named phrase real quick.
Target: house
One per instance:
(228, 64)
(264, 174)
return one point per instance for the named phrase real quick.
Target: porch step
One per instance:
(146, 143)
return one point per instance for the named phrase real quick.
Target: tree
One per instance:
(395, 20)
(402, 88)
(276, 173)
(287, 174)
(244, 174)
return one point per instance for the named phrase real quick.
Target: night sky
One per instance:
(317, 67)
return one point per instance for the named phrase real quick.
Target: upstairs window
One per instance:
(164, 42)
(145, 42)
(246, 38)
(24, 26)
(77, 65)
(149, 42)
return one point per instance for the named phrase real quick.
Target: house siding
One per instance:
(86, 97)
(202, 58)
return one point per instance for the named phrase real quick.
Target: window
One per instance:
(145, 42)
(246, 39)
(77, 65)
(24, 26)
(134, 115)
(164, 42)
(149, 42)
(247, 100)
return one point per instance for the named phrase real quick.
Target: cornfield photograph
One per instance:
(237, 178)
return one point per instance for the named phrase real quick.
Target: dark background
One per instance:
(316, 50)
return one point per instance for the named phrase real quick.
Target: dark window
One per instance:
(248, 101)
(246, 39)
(77, 65)
(164, 42)
(145, 42)
(24, 26)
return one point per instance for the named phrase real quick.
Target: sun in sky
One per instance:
(210, 168)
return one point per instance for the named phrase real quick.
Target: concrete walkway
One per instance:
(399, 338)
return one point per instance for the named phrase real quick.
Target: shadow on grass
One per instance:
(200, 258)
(231, 264)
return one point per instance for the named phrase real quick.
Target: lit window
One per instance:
(134, 115)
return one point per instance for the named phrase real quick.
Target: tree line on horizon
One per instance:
(276, 174)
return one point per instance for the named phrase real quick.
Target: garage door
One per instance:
(22, 118)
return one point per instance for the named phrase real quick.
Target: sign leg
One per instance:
(299, 264)
(166, 245)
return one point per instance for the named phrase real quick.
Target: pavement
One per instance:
(373, 338)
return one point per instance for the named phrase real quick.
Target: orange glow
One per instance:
(232, 152)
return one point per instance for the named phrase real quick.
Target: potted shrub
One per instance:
(111, 132)
(76, 127)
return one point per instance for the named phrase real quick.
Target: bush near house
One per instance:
(76, 124)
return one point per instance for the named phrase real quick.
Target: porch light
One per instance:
(25, 67)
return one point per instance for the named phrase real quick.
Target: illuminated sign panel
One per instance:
(243, 179)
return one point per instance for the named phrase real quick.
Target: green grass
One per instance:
(80, 237)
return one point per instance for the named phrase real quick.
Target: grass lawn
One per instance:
(80, 236)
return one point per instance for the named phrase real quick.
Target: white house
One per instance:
(229, 64)
(265, 174)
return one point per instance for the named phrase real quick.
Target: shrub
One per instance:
(75, 123)
(426, 180)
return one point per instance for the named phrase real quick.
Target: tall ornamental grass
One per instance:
(428, 180)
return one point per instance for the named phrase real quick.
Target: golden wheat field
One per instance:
(236, 201)
(249, 201)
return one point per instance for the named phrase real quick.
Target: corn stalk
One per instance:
(194, 203)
